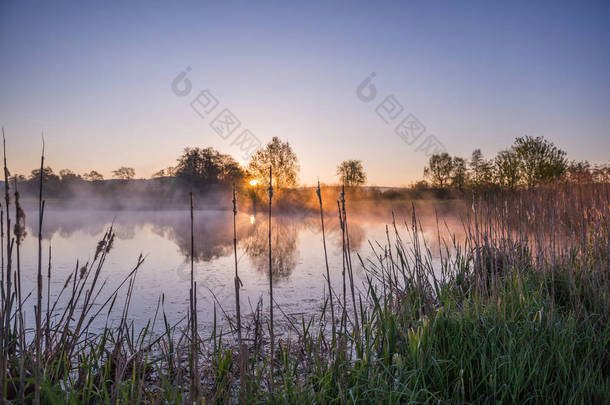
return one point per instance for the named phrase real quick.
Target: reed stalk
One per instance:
(343, 328)
(271, 331)
(348, 254)
(194, 358)
(243, 349)
(38, 336)
(330, 288)
(6, 342)
(19, 232)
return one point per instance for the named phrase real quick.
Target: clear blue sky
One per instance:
(97, 79)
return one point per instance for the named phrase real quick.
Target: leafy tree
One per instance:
(19, 178)
(579, 172)
(170, 171)
(459, 173)
(161, 173)
(540, 160)
(351, 173)
(93, 176)
(124, 173)
(507, 172)
(68, 175)
(47, 175)
(439, 170)
(207, 166)
(476, 161)
(481, 169)
(281, 158)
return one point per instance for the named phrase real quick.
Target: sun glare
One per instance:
(253, 182)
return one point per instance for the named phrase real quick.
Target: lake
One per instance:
(163, 237)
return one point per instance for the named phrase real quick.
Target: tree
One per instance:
(601, 173)
(170, 171)
(124, 173)
(481, 169)
(19, 178)
(459, 173)
(68, 175)
(506, 165)
(540, 161)
(281, 158)
(439, 169)
(476, 161)
(159, 174)
(351, 173)
(47, 175)
(93, 176)
(579, 172)
(206, 166)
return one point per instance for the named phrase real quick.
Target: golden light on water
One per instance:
(253, 182)
(252, 219)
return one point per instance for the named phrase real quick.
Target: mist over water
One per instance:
(163, 237)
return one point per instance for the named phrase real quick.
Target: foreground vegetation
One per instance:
(517, 312)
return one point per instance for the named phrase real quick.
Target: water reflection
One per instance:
(213, 232)
(284, 233)
(164, 236)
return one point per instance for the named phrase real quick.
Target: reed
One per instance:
(330, 288)
(271, 329)
(38, 308)
(6, 341)
(194, 351)
(243, 349)
(348, 255)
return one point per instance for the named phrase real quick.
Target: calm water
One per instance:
(164, 238)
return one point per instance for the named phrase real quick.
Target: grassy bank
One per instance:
(517, 312)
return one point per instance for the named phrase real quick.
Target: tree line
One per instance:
(207, 167)
(529, 162)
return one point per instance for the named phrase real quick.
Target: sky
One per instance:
(101, 81)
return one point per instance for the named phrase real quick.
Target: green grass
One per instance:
(512, 349)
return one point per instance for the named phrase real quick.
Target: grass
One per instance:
(517, 312)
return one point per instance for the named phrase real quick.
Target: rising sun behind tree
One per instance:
(278, 155)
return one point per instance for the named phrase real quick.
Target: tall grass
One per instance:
(515, 312)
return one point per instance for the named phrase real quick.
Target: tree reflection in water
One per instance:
(284, 233)
(213, 233)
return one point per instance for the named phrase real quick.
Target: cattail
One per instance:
(110, 243)
(19, 227)
(100, 247)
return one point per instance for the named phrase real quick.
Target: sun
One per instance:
(253, 182)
